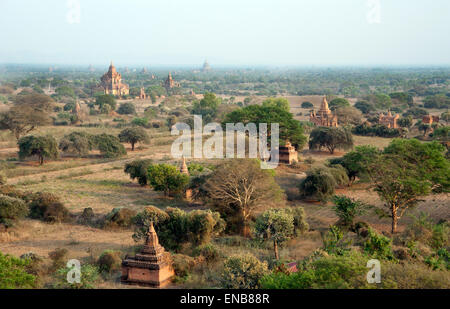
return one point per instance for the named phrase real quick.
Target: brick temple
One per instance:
(388, 120)
(112, 82)
(324, 117)
(151, 267)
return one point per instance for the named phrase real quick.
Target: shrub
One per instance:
(243, 272)
(13, 273)
(141, 122)
(133, 136)
(208, 251)
(58, 257)
(41, 146)
(3, 179)
(119, 218)
(175, 227)
(142, 221)
(378, 246)
(329, 272)
(87, 217)
(307, 105)
(376, 130)
(89, 277)
(203, 225)
(137, 169)
(319, 184)
(11, 209)
(331, 138)
(127, 108)
(276, 225)
(79, 143)
(167, 178)
(110, 146)
(300, 223)
(109, 261)
(47, 207)
(347, 209)
(334, 243)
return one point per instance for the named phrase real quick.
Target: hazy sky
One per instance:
(226, 32)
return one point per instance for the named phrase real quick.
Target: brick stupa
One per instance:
(151, 267)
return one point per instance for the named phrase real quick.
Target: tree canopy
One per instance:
(28, 112)
(133, 136)
(41, 146)
(331, 138)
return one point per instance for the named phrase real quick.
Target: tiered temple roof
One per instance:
(112, 82)
(324, 117)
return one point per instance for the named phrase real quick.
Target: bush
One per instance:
(41, 146)
(243, 272)
(11, 209)
(307, 105)
(347, 209)
(319, 185)
(58, 257)
(109, 261)
(13, 273)
(126, 109)
(378, 246)
(119, 218)
(133, 136)
(331, 138)
(79, 143)
(208, 251)
(167, 178)
(47, 207)
(89, 277)
(329, 272)
(137, 169)
(175, 227)
(3, 179)
(300, 224)
(376, 130)
(87, 217)
(110, 146)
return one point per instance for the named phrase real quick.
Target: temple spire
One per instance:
(184, 169)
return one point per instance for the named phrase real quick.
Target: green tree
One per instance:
(405, 122)
(282, 103)
(337, 103)
(276, 225)
(133, 136)
(307, 105)
(207, 107)
(79, 143)
(11, 209)
(40, 146)
(28, 112)
(109, 146)
(106, 99)
(167, 178)
(243, 272)
(290, 129)
(331, 138)
(407, 171)
(127, 108)
(138, 169)
(347, 209)
(357, 161)
(13, 273)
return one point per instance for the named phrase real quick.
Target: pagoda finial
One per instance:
(184, 169)
(152, 237)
